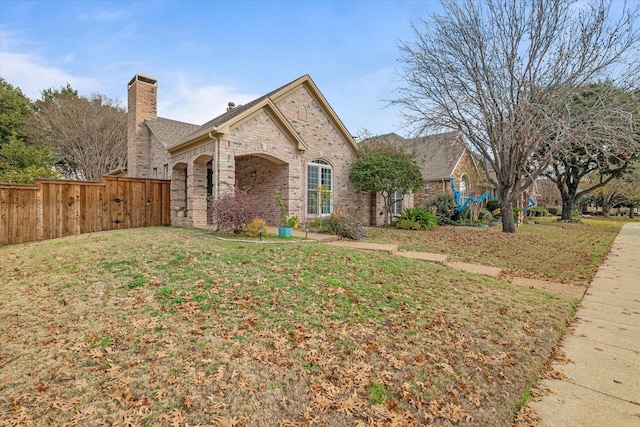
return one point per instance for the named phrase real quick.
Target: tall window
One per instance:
(319, 187)
(427, 189)
(464, 188)
(396, 202)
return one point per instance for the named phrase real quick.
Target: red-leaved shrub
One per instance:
(234, 209)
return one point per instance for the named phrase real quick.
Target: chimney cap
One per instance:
(145, 78)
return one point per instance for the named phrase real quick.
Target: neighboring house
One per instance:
(289, 140)
(545, 193)
(440, 157)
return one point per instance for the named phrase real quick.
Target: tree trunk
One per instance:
(508, 223)
(606, 209)
(568, 195)
(568, 203)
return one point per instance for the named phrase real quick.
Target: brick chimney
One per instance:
(142, 105)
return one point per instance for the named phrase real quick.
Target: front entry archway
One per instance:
(260, 175)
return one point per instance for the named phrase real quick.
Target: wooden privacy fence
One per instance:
(54, 208)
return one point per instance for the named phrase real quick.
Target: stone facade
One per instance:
(262, 147)
(466, 167)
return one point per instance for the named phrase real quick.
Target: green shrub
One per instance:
(425, 219)
(493, 204)
(553, 210)
(485, 216)
(516, 211)
(538, 211)
(443, 205)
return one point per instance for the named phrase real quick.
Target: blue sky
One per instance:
(207, 53)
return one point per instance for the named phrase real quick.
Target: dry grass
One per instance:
(561, 252)
(165, 326)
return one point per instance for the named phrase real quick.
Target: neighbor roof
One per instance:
(436, 155)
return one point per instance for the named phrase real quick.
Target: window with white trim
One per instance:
(464, 186)
(427, 189)
(396, 202)
(319, 187)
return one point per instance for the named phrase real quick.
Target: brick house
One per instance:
(288, 140)
(439, 158)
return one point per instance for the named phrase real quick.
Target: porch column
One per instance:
(197, 194)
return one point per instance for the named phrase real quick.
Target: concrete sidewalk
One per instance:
(601, 386)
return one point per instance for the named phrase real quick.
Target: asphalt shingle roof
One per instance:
(170, 132)
(436, 155)
(230, 114)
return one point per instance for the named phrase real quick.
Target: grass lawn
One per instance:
(550, 250)
(166, 326)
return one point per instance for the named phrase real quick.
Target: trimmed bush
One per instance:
(444, 207)
(346, 226)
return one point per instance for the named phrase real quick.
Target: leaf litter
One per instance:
(223, 334)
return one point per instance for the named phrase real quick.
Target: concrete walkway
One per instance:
(601, 385)
(485, 270)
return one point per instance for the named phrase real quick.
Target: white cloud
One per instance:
(179, 99)
(32, 75)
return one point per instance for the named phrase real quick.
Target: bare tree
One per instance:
(499, 71)
(601, 138)
(88, 136)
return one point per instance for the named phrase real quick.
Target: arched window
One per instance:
(464, 188)
(319, 187)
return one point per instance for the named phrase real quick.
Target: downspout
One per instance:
(215, 165)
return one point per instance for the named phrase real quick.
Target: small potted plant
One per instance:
(288, 222)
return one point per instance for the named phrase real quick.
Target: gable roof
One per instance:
(436, 155)
(222, 124)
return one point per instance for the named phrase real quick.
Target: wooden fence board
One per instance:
(56, 208)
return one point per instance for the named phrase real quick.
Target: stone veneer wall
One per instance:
(325, 142)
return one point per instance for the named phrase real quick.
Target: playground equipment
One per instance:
(462, 205)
